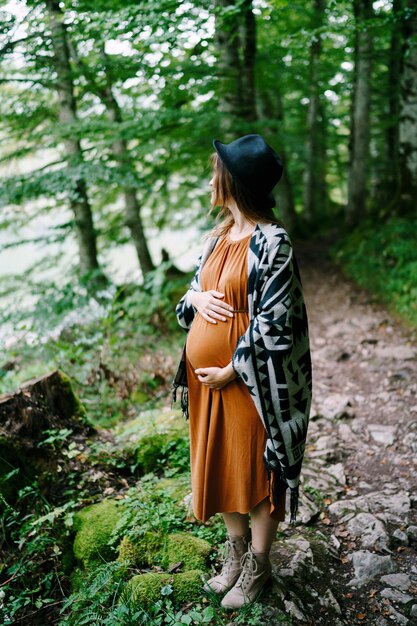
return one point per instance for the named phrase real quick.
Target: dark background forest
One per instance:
(108, 110)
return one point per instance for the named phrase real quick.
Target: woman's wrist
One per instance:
(229, 372)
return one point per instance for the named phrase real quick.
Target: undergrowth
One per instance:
(383, 259)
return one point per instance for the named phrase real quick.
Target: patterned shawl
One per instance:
(272, 357)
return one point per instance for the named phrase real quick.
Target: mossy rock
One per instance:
(151, 549)
(145, 589)
(191, 550)
(140, 552)
(94, 525)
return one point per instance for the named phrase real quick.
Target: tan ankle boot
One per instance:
(235, 548)
(256, 570)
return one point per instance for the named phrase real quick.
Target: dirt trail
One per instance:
(351, 559)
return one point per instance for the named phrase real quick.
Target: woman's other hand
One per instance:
(211, 306)
(216, 377)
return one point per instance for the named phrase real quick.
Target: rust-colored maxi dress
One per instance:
(227, 437)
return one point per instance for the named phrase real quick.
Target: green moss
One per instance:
(192, 551)
(152, 549)
(145, 589)
(79, 411)
(187, 586)
(142, 551)
(94, 525)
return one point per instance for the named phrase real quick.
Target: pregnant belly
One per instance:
(212, 345)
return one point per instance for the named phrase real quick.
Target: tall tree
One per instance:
(101, 84)
(248, 61)
(235, 37)
(67, 112)
(360, 114)
(408, 114)
(271, 113)
(314, 160)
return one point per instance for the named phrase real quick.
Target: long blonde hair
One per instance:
(225, 187)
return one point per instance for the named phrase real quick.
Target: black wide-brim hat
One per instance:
(254, 164)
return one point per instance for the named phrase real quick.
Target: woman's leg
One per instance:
(236, 545)
(237, 524)
(264, 527)
(257, 567)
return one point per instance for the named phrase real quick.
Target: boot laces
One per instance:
(249, 568)
(228, 554)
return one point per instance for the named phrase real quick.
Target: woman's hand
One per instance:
(211, 306)
(216, 377)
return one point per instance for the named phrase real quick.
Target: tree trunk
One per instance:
(408, 115)
(121, 153)
(359, 140)
(79, 202)
(228, 67)
(311, 171)
(394, 82)
(322, 197)
(271, 111)
(248, 40)
(386, 187)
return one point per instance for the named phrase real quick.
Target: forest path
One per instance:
(352, 559)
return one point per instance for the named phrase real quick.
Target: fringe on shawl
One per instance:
(183, 399)
(294, 491)
(180, 380)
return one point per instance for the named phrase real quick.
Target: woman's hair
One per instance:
(225, 187)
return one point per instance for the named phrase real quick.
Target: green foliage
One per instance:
(36, 547)
(382, 258)
(163, 450)
(148, 508)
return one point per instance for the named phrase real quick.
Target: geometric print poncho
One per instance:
(272, 357)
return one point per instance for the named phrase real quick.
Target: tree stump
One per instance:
(41, 404)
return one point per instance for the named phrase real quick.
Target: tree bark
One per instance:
(227, 28)
(311, 172)
(387, 181)
(271, 112)
(408, 115)
(79, 202)
(133, 218)
(359, 136)
(235, 37)
(248, 40)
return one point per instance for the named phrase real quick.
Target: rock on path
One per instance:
(351, 559)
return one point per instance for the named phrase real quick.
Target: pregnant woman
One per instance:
(248, 368)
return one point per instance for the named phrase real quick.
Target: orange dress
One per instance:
(227, 437)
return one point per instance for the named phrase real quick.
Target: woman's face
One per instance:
(213, 188)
